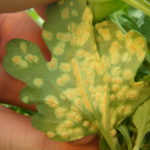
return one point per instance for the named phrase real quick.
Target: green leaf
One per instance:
(145, 28)
(80, 92)
(125, 132)
(103, 8)
(141, 120)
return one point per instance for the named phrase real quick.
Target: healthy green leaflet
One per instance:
(88, 86)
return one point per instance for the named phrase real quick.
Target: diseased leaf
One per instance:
(120, 94)
(141, 120)
(88, 87)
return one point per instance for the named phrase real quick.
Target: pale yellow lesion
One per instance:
(104, 32)
(120, 36)
(32, 58)
(115, 87)
(81, 33)
(86, 124)
(60, 112)
(19, 61)
(78, 131)
(65, 67)
(115, 47)
(16, 59)
(25, 99)
(65, 13)
(128, 74)
(74, 13)
(71, 93)
(132, 94)
(136, 46)
(112, 97)
(52, 65)
(51, 101)
(47, 35)
(50, 134)
(69, 124)
(23, 46)
(66, 37)
(38, 82)
(107, 78)
(63, 79)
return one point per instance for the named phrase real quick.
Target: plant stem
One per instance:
(140, 4)
(138, 141)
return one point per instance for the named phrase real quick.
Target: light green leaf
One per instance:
(141, 120)
(80, 92)
(103, 8)
(125, 132)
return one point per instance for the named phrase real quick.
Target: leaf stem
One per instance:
(140, 4)
(138, 141)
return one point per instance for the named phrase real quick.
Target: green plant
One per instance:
(97, 81)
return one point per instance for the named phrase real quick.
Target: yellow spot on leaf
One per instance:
(51, 101)
(128, 74)
(74, 13)
(16, 59)
(47, 35)
(78, 131)
(104, 32)
(50, 134)
(65, 67)
(68, 124)
(120, 36)
(132, 94)
(25, 99)
(65, 13)
(63, 36)
(115, 87)
(86, 123)
(112, 97)
(107, 78)
(113, 132)
(60, 112)
(52, 65)
(32, 58)
(23, 46)
(63, 79)
(38, 82)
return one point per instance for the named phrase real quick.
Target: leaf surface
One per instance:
(88, 86)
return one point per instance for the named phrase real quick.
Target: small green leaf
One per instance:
(103, 8)
(141, 120)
